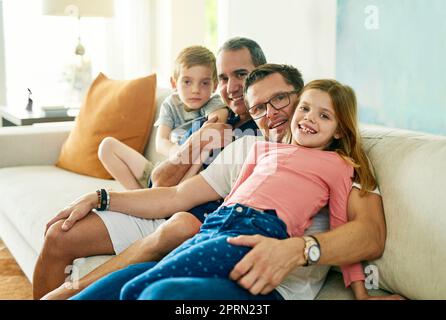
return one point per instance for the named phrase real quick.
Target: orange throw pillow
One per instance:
(121, 109)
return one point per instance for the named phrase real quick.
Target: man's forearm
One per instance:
(362, 238)
(152, 203)
(164, 201)
(347, 244)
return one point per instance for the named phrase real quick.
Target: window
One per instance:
(39, 48)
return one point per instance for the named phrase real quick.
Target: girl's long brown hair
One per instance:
(349, 146)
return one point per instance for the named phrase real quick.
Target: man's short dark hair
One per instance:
(238, 43)
(289, 73)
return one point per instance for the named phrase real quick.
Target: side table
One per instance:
(21, 117)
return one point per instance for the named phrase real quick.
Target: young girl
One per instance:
(194, 80)
(281, 187)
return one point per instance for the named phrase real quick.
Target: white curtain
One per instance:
(131, 38)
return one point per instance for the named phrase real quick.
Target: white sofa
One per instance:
(410, 168)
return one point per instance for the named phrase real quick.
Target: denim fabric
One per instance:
(109, 287)
(202, 211)
(201, 289)
(208, 254)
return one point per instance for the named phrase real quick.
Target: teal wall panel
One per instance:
(393, 52)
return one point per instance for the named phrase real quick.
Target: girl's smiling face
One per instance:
(314, 123)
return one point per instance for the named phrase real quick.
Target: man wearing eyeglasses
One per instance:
(361, 240)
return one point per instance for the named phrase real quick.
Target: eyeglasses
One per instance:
(278, 102)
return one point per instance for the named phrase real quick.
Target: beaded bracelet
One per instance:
(104, 200)
(98, 193)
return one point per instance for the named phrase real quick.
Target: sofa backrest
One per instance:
(150, 152)
(411, 171)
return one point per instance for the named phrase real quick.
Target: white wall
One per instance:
(297, 32)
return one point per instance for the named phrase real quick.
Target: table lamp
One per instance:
(78, 9)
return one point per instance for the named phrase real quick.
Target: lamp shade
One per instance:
(79, 8)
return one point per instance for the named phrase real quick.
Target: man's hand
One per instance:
(270, 260)
(74, 211)
(214, 135)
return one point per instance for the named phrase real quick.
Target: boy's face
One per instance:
(194, 85)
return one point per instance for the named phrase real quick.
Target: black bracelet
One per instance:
(104, 196)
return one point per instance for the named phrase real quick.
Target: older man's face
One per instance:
(276, 123)
(233, 66)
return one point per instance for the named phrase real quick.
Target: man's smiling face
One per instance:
(233, 66)
(275, 124)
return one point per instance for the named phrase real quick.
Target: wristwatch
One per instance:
(312, 250)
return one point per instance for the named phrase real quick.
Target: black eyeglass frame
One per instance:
(288, 94)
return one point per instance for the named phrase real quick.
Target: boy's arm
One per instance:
(163, 144)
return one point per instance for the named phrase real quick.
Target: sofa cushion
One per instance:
(410, 169)
(124, 110)
(31, 196)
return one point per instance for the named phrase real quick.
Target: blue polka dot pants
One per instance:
(208, 254)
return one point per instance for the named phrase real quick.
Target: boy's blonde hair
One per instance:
(195, 56)
(349, 146)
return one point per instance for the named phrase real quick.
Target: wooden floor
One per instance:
(13, 283)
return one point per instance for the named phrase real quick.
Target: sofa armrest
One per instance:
(32, 145)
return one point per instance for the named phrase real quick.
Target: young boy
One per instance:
(194, 81)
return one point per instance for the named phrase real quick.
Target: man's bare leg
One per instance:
(155, 246)
(88, 237)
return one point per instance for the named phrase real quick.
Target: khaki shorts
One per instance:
(144, 179)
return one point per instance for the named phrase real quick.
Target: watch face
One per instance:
(314, 253)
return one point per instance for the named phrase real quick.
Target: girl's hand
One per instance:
(75, 211)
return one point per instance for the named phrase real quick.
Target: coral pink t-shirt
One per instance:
(297, 182)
